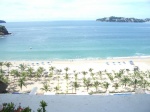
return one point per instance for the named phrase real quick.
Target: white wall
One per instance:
(87, 103)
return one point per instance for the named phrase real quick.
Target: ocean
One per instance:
(63, 40)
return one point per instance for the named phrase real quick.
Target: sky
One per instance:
(50, 10)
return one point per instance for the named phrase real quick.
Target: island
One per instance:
(122, 19)
(2, 21)
(3, 30)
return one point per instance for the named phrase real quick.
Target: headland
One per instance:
(122, 19)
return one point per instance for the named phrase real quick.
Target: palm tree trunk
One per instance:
(58, 81)
(1, 69)
(134, 87)
(67, 85)
(8, 71)
(144, 86)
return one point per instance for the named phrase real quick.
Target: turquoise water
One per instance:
(74, 40)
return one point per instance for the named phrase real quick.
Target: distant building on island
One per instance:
(122, 19)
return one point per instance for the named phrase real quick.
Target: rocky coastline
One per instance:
(122, 19)
(3, 30)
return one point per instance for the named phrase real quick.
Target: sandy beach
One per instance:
(75, 66)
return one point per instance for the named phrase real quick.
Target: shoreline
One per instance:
(82, 59)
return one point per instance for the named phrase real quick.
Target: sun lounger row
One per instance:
(119, 63)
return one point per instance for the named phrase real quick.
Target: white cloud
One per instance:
(22, 10)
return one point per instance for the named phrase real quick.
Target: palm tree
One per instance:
(58, 77)
(30, 71)
(76, 77)
(57, 88)
(50, 75)
(110, 76)
(1, 76)
(37, 74)
(3, 79)
(24, 74)
(21, 82)
(66, 77)
(45, 87)
(92, 74)
(66, 69)
(75, 86)
(52, 69)
(148, 73)
(1, 64)
(116, 86)
(15, 73)
(43, 104)
(8, 64)
(144, 74)
(105, 85)
(145, 83)
(84, 79)
(100, 74)
(40, 70)
(90, 70)
(118, 75)
(59, 72)
(22, 67)
(122, 71)
(141, 77)
(84, 73)
(87, 83)
(135, 82)
(125, 81)
(96, 85)
(136, 74)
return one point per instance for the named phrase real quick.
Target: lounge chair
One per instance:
(107, 63)
(131, 62)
